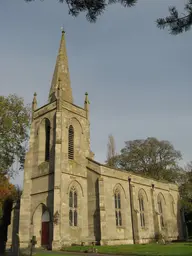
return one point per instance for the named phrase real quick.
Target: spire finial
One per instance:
(34, 98)
(62, 30)
(86, 98)
(86, 104)
(34, 103)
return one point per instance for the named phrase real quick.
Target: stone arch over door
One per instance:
(41, 225)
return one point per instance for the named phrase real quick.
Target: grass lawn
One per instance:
(177, 249)
(182, 249)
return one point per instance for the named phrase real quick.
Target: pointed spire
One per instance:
(61, 72)
(86, 104)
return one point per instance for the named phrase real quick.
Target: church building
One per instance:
(69, 198)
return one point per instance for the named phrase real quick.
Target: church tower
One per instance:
(55, 175)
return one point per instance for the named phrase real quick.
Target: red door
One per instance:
(45, 233)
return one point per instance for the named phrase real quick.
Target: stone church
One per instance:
(69, 198)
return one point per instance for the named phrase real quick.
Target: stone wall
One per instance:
(93, 207)
(150, 190)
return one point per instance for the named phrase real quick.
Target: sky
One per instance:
(138, 77)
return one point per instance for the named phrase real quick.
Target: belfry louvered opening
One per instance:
(71, 143)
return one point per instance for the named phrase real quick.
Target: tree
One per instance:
(94, 8)
(186, 188)
(14, 132)
(7, 190)
(14, 127)
(175, 22)
(151, 158)
(9, 194)
(111, 151)
(186, 196)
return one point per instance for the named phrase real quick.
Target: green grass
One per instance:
(177, 249)
(50, 254)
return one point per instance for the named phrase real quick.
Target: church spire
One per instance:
(61, 73)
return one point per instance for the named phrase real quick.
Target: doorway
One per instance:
(45, 221)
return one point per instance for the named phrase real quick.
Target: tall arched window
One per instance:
(73, 207)
(160, 208)
(142, 211)
(118, 215)
(71, 142)
(47, 139)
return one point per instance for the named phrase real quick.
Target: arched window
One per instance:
(118, 215)
(73, 204)
(160, 208)
(47, 139)
(71, 142)
(142, 211)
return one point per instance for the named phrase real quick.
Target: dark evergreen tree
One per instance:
(175, 22)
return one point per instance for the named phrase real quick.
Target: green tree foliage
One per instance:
(93, 8)
(186, 188)
(14, 128)
(175, 22)
(7, 190)
(151, 158)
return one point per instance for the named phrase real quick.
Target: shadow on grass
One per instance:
(188, 244)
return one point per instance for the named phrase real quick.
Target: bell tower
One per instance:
(56, 162)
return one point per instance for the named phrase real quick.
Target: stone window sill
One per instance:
(120, 227)
(144, 228)
(74, 227)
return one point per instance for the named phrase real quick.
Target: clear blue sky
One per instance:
(139, 78)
